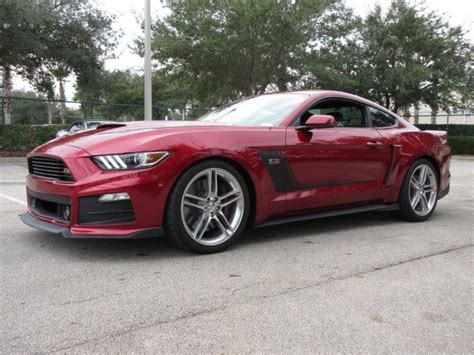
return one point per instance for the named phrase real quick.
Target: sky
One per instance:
(458, 12)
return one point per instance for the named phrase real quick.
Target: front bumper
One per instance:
(43, 225)
(444, 192)
(72, 209)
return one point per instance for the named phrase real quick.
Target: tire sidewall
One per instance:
(174, 204)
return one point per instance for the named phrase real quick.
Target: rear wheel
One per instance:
(208, 207)
(419, 194)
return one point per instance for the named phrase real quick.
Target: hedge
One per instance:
(23, 138)
(455, 130)
(462, 145)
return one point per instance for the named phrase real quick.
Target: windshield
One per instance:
(265, 110)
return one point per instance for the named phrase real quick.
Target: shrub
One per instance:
(462, 145)
(23, 138)
(455, 130)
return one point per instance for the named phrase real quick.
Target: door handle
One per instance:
(375, 144)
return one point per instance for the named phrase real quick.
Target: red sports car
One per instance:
(256, 162)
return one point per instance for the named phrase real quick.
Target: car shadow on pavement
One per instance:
(140, 249)
(320, 228)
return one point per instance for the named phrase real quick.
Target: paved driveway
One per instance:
(360, 283)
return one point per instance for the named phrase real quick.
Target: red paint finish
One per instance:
(336, 162)
(331, 167)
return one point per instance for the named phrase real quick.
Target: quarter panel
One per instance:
(414, 144)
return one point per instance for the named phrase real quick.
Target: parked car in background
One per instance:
(269, 159)
(79, 126)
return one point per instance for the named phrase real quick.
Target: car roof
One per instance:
(314, 94)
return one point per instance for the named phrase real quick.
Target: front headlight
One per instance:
(129, 161)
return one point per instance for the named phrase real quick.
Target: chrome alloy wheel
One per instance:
(423, 190)
(212, 206)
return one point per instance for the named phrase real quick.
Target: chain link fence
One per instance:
(35, 111)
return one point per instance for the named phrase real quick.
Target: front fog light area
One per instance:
(66, 213)
(118, 196)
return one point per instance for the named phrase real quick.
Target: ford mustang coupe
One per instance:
(256, 162)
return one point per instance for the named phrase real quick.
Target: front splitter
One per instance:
(37, 223)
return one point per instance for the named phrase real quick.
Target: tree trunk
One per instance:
(434, 112)
(50, 112)
(417, 113)
(387, 102)
(62, 104)
(7, 92)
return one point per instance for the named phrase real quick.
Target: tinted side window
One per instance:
(381, 119)
(345, 113)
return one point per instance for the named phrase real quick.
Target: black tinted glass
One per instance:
(381, 119)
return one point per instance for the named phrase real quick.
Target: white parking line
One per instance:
(13, 199)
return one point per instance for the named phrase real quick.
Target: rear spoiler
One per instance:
(110, 125)
(441, 134)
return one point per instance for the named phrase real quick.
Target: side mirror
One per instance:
(319, 121)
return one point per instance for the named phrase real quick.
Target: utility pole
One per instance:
(148, 103)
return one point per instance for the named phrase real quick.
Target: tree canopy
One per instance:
(46, 39)
(225, 49)
(209, 52)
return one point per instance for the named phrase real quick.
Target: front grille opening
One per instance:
(50, 209)
(47, 206)
(50, 168)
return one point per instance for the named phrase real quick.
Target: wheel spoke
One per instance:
(424, 203)
(415, 200)
(414, 182)
(215, 185)
(194, 197)
(187, 202)
(201, 226)
(212, 183)
(231, 197)
(223, 223)
(222, 217)
(190, 204)
(209, 182)
(423, 173)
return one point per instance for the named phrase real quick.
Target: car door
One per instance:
(337, 166)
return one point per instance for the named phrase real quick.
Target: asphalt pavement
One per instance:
(365, 283)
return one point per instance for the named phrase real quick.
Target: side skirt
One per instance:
(309, 216)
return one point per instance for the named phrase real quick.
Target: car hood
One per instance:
(123, 137)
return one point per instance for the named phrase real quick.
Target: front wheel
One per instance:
(419, 193)
(208, 207)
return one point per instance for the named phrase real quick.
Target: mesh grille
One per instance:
(49, 168)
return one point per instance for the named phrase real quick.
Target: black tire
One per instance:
(406, 211)
(175, 229)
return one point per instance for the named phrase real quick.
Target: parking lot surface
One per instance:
(359, 283)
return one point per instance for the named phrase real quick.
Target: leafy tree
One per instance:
(399, 58)
(467, 87)
(120, 94)
(450, 71)
(225, 49)
(28, 108)
(47, 38)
